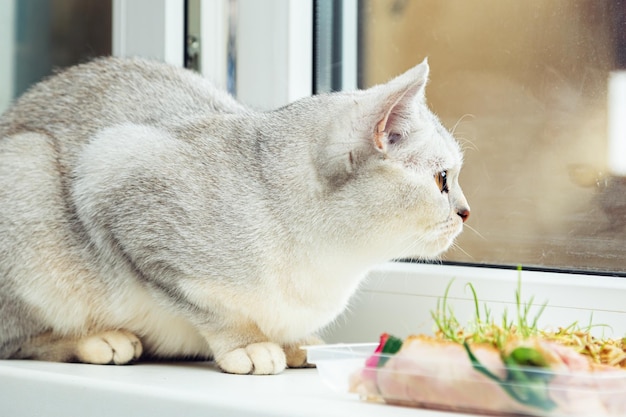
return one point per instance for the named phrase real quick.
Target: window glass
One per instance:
(41, 36)
(523, 85)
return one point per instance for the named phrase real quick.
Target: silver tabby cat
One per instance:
(144, 211)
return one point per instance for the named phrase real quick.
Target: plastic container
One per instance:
(454, 384)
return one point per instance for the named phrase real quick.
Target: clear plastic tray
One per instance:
(425, 383)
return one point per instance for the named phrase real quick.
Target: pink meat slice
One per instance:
(433, 373)
(585, 388)
(439, 374)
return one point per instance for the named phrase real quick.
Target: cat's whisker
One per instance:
(462, 139)
(459, 248)
(475, 231)
(437, 261)
(458, 122)
(466, 144)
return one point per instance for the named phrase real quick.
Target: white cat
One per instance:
(142, 210)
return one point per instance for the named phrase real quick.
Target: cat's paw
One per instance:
(115, 347)
(296, 356)
(263, 358)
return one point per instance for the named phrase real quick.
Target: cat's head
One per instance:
(390, 166)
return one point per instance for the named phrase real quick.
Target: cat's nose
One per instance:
(463, 213)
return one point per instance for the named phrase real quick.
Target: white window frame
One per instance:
(7, 53)
(274, 67)
(268, 32)
(214, 33)
(274, 51)
(350, 17)
(149, 28)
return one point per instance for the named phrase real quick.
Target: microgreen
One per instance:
(444, 317)
(485, 329)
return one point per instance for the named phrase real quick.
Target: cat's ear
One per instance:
(395, 103)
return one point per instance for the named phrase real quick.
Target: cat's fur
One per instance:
(141, 209)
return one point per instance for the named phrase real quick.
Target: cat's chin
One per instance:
(433, 253)
(433, 249)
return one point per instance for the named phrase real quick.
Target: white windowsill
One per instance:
(396, 298)
(184, 389)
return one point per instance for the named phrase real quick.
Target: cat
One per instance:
(146, 212)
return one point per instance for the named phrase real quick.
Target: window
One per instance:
(524, 86)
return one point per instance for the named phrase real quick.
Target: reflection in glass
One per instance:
(48, 35)
(524, 87)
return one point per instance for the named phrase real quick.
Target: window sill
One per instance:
(29, 388)
(396, 298)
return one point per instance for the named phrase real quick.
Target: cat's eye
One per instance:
(442, 181)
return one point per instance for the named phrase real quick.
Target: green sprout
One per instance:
(485, 329)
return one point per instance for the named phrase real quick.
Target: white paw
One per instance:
(263, 358)
(117, 347)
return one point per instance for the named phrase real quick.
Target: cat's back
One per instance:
(107, 91)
